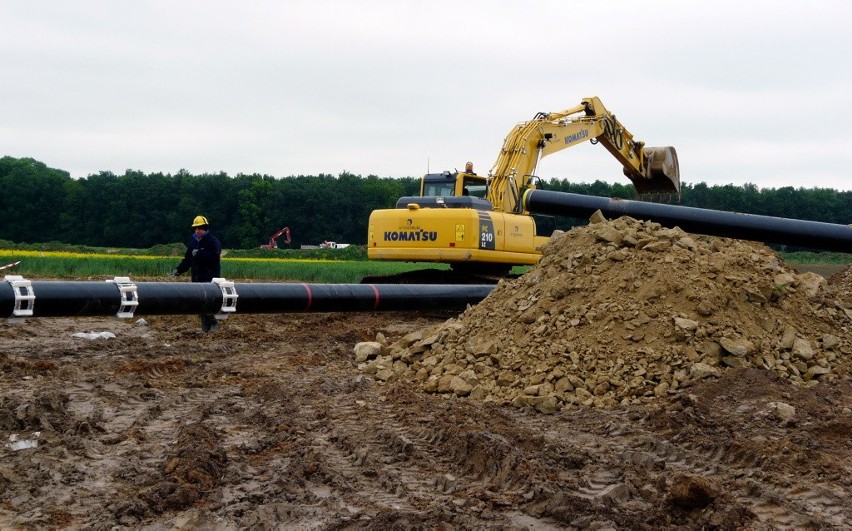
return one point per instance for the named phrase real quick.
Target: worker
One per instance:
(203, 254)
(468, 168)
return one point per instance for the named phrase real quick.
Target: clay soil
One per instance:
(269, 422)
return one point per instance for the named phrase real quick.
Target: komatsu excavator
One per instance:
(477, 223)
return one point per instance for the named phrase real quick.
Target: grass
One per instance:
(803, 257)
(315, 265)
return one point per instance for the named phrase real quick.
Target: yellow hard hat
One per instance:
(199, 221)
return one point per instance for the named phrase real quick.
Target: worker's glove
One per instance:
(174, 273)
(194, 252)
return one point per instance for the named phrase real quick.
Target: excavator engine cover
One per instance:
(663, 172)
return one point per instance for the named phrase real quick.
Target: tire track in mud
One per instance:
(804, 503)
(138, 419)
(383, 462)
(375, 456)
(438, 461)
(417, 467)
(621, 462)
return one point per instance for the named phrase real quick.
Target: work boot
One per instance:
(209, 323)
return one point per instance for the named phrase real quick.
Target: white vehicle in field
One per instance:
(333, 245)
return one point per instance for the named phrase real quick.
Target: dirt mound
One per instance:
(841, 283)
(621, 311)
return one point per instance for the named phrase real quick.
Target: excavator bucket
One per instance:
(663, 174)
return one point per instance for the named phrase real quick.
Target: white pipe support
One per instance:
(229, 297)
(128, 297)
(24, 297)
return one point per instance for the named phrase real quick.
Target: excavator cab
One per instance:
(449, 184)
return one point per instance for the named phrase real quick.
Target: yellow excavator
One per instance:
(477, 223)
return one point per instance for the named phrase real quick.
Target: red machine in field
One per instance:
(272, 245)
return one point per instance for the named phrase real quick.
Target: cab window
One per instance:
(438, 189)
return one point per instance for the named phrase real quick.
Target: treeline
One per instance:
(138, 210)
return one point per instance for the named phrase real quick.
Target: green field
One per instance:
(280, 268)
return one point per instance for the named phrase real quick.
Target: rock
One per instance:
(782, 410)
(658, 246)
(788, 338)
(815, 371)
(607, 233)
(367, 350)
(688, 243)
(811, 284)
(784, 279)
(480, 347)
(830, 341)
(385, 374)
(685, 324)
(735, 361)
(699, 371)
(544, 404)
(705, 308)
(412, 338)
(459, 386)
(597, 217)
(737, 347)
(802, 349)
(619, 255)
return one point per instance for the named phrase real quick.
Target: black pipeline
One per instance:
(767, 229)
(21, 298)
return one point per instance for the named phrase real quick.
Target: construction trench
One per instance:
(637, 377)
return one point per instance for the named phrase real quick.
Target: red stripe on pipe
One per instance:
(376, 291)
(310, 296)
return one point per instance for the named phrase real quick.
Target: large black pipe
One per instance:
(767, 229)
(79, 298)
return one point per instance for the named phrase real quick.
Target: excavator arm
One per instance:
(652, 170)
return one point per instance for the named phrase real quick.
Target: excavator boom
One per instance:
(651, 169)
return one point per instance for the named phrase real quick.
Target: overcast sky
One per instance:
(746, 91)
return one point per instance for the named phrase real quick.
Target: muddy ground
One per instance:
(270, 423)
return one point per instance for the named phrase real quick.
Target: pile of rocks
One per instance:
(621, 311)
(841, 283)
